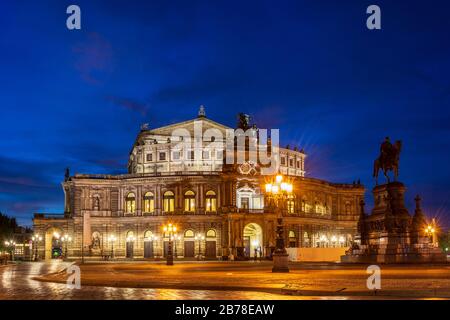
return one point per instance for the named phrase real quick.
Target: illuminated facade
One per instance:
(219, 208)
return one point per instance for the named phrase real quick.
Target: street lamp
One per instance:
(36, 239)
(199, 237)
(111, 239)
(65, 240)
(279, 192)
(171, 230)
(11, 246)
(431, 231)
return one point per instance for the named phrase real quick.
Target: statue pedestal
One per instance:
(389, 234)
(280, 262)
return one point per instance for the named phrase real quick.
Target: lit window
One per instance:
(189, 234)
(189, 201)
(169, 201)
(211, 233)
(290, 204)
(211, 201)
(130, 203)
(149, 202)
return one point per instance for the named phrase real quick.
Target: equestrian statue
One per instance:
(388, 159)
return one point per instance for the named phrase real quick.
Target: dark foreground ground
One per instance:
(221, 280)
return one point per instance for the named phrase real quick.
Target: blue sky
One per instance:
(310, 68)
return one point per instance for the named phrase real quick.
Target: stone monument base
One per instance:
(395, 254)
(280, 262)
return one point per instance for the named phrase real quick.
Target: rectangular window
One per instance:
(189, 204)
(298, 164)
(190, 155)
(283, 161)
(291, 163)
(149, 205)
(211, 204)
(219, 154)
(290, 206)
(176, 155)
(205, 155)
(149, 157)
(169, 204)
(162, 156)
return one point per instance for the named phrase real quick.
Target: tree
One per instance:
(7, 227)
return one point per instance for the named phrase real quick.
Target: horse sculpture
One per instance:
(388, 159)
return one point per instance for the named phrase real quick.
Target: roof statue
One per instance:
(201, 112)
(388, 159)
(243, 121)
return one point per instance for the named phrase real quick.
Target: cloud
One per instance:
(129, 104)
(93, 58)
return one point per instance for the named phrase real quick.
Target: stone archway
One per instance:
(53, 245)
(253, 239)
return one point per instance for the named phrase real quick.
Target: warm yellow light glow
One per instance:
(268, 187)
(283, 186)
(279, 178)
(289, 188)
(275, 189)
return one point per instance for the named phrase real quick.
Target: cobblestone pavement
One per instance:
(16, 283)
(220, 280)
(305, 279)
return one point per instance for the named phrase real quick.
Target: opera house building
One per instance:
(179, 174)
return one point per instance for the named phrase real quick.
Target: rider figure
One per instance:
(385, 149)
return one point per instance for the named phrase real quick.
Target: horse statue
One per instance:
(388, 159)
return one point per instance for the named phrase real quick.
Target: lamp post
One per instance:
(111, 239)
(175, 238)
(199, 237)
(171, 230)
(65, 240)
(36, 239)
(279, 191)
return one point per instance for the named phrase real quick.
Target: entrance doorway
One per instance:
(210, 251)
(252, 240)
(130, 244)
(189, 249)
(53, 244)
(148, 244)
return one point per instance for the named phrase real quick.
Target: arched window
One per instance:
(148, 235)
(211, 233)
(130, 236)
(290, 204)
(168, 201)
(189, 234)
(211, 201)
(189, 201)
(149, 202)
(291, 234)
(130, 203)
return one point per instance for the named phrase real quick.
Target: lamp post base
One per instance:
(169, 261)
(280, 262)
